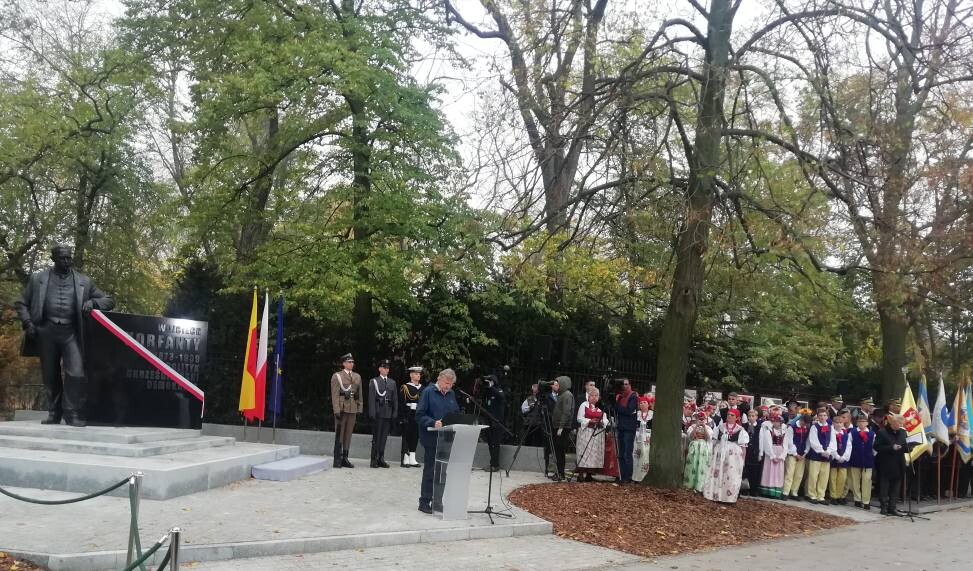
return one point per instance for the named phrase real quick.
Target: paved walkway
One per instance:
(323, 504)
(940, 543)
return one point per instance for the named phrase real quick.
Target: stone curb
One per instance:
(103, 560)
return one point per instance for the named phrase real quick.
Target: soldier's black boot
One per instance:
(382, 463)
(344, 461)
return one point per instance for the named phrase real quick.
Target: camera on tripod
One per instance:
(611, 385)
(545, 387)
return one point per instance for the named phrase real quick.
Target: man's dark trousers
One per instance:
(626, 442)
(60, 350)
(428, 467)
(380, 435)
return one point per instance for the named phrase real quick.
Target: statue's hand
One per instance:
(87, 306)
(30, 329)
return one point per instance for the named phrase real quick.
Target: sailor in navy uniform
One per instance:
(408, 402)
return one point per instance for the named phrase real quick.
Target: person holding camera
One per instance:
(346, 400)
(626, 407)
(383, 406)
(562, 420)
(495, 403)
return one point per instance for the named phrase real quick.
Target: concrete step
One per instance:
(115, 434)
(291, 468)
(197, 556)
(166, 475)
(139, 450)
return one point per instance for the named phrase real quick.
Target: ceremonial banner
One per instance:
(277, 388)
(923, 406)
(253, 388)
(961, 413)
(942, 420)
(913, 426)
(249, 361)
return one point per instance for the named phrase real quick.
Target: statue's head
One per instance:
(63, 257)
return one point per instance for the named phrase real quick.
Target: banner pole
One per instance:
(244, 428)
(276, 388)
(952, 478)
(939, 474)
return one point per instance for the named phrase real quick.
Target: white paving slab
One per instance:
(292, 468)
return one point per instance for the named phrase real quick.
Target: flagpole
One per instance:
(939, 474)
(244, 428)
(276, 383)
(905, 478)
(952, 478)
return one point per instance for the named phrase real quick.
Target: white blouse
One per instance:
(583, 421)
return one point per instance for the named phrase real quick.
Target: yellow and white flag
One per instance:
(914, 428)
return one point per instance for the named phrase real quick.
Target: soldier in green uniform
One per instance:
(346, 400)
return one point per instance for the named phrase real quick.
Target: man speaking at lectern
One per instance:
(435, 403)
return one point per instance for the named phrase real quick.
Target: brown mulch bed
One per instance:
(8, 563)
(650, 522)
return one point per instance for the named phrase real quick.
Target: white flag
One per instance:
(941, 419)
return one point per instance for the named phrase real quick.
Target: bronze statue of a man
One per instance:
(50, 309)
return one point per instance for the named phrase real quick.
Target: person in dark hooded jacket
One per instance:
(562, 421)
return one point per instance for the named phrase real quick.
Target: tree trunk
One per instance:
(687, 283)
(255, 227)
(82, 229)
(895, 330)
(364, 316)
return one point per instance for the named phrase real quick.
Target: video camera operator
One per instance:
(495, 403)
(536, 410)
(562, 420)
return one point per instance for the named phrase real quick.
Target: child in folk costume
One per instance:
(726, 464)
(643, 436)
(590, 444)
(822, 448)
(862, 441)
(773, 451)
(688, 412)
(700, 437)
(839, 463)
(794, 467)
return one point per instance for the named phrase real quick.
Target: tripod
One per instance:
(908, 493)
(488, 510)
(544, 425)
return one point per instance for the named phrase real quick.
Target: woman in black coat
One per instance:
(752, 466)
(890, 448)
